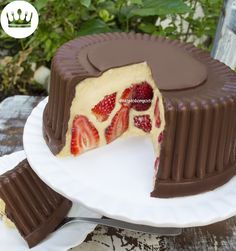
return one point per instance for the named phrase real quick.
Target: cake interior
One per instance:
(121, 102)
(3, 215)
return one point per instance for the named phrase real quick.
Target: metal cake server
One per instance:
(162, 231)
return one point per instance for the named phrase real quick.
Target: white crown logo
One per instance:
(19, 19)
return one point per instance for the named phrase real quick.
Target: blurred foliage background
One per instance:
(62, 20)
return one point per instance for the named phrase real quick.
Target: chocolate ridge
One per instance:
(169, 188)
(34, 208)
(208, 102)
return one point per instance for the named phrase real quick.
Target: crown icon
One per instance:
(19, 19)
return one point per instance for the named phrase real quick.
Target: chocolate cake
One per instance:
(28, 203)
(115, 85)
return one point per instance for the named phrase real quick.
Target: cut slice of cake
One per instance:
(28, 204)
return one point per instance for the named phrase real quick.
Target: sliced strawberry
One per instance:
(156, 165)
(161, 137)
(157, 114)
(143, 122)
(103, 109)
(142, 96)
(119, 124)
(126, 97)
(84, 135)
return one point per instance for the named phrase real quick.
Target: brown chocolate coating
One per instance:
(167, 60)
(34, 208)
(199, 97)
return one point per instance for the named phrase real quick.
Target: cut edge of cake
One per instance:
(3, 215)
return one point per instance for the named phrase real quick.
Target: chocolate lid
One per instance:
(172, 68)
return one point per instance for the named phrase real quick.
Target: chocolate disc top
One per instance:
(172, 68)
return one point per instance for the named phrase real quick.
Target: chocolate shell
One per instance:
(199, 93)
(34, 208)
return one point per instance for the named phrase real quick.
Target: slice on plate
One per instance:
(28, 204)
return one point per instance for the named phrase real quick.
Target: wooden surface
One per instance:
(221, 236)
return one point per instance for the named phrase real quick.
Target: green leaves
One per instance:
(159, 7)
(147, 27)
(85, 3)
(93, 26)
(40, 4)
(139, 2)
(105, 15)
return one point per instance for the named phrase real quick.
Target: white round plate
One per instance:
(63, 239)
(116, 181)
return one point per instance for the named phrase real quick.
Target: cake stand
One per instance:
(116, 180)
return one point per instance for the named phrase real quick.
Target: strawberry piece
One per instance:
(143, 122)
(84, 135)
(126, 96)
(103, 109)
(157, 114)
(161, 137)
(142, 96)
(156, 165)
(119, 124)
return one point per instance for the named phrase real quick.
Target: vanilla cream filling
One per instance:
(3, 216)
(92, 90)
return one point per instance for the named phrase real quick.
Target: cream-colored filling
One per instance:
(3, 216)
(92, 90)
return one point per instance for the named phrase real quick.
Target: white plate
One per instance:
(62, 240)
(115, 180)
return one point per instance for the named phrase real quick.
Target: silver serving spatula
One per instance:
(162, 231)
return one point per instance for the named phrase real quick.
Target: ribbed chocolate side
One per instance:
(200, 133)
(65, 75)
(35, 208)
(207, 158)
